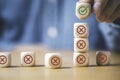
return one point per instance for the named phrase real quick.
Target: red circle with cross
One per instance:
(28, 59)
(81, 29)
(55, 60)
(102, 58)
(3, 59)
(81, 59)
(81, 44)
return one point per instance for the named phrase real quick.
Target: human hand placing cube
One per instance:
(105, 10)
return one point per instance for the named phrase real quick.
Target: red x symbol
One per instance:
(81, 44)
(55, 61)
(3, 59)
(102, 58)
(81, 29)
(81, 59)
(28, 59)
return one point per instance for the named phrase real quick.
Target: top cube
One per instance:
(83, 10)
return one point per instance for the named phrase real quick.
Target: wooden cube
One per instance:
(53, 60)
(80, 59)
(81, 30)
(5, 59)
(103, 58)
(80, 44)
(83, 10)
(27, 58)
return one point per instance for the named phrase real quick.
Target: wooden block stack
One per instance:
(80, 56)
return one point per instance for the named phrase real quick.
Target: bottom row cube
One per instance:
(80, 59)
(103, 58)
(27, 59)
(53, 60)
(5, 59)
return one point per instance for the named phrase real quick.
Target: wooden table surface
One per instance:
(67, 72)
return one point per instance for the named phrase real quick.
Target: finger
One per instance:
(87, 1)
(110, 8)
(98, 6)
(115, 15)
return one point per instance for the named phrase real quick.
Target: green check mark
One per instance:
(83, 10)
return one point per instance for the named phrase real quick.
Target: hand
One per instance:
(106, 10)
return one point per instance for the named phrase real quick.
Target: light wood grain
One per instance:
(67, 72)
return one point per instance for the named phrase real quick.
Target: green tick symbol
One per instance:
(83, 10)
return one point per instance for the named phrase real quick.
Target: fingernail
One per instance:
(97, 7)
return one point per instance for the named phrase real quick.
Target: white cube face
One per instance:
(5, 59)
(80, 59)
(103, 57)
(81, 44)
(53, 60)
(81, 30)
(27, 58)
(83, 10)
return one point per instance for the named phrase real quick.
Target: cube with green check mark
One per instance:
(83, 10)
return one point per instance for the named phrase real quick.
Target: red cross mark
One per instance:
(102, 58)
(3, 59)
(28, 59)
(81, 29)
(81, 59)
(55, 61)
(81, 44)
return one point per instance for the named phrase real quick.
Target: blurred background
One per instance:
(50, 23)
